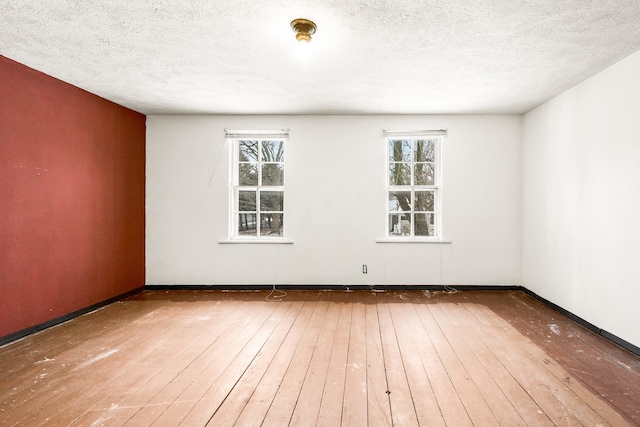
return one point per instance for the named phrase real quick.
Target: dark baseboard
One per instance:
(53, 322)
(609, 336)
(622, 343)
(334, 287)
(561, 310)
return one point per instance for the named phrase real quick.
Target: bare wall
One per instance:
(72, 171)
(335, 203)
(581, 205)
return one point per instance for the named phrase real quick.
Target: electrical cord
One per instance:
(217, 164)
(276, 295)
(447, 289)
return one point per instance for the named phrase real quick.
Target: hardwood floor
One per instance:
(319, 358)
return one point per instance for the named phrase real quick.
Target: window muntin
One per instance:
(413, 186)
(258, 188)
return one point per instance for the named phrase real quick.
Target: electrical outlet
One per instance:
(364, 268)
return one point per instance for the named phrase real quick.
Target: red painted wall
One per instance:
(72, 176)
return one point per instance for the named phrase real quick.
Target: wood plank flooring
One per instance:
(319, 358)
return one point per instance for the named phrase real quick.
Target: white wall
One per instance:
(581, 204)
(335, 201)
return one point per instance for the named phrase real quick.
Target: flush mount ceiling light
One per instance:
(304, 29)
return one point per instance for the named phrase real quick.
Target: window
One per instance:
(413, 184)
(257, 185)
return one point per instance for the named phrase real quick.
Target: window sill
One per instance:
(413, 240)
(256, 241)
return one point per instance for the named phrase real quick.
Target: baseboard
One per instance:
(619, 341)
(258, 287)
(607, 335)
(64, 318)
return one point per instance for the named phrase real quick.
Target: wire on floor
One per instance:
(450, 289)
(275, 295)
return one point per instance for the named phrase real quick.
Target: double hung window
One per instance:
(413, 184)
(257, 185)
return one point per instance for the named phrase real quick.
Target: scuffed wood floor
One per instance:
(319, 358)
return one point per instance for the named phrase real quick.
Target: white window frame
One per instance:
(234, 138)
(436, 187)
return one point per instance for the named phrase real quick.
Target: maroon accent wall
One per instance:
(72, 197)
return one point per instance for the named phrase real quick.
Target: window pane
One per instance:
(424, 225)
(273, 151)
(399, 150)
(271, 200)
(247, 201)
(271, 225)
(248, 151)
(273, 174)
(424, 174)
(247, 225)
(399, 201)
(425, 150)
(248, 174)
(394, 224)
(400, 224)
(400, 174)
(425, 201)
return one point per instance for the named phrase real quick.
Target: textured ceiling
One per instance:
(368, 56)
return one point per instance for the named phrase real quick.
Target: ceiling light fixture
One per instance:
(304, 29)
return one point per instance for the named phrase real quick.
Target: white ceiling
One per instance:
(367, 57)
